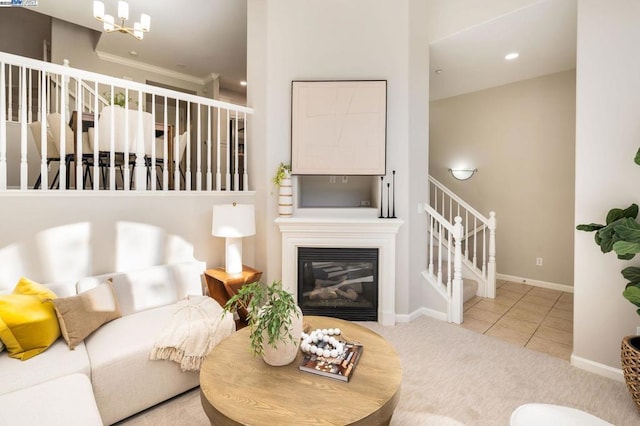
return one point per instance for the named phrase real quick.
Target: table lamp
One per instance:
(233, 221)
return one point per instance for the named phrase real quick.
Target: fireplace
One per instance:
(343, 229)
(341, 282)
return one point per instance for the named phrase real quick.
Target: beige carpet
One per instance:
(453, 377)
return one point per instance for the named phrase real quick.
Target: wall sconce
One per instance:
(233, 221)
(462, 174)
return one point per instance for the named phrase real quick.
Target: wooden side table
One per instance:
(223, 286)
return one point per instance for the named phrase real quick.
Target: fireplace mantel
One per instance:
(343, 231)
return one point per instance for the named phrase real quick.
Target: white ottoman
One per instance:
(548, 414)
(65, 401)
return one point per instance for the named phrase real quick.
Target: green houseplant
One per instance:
(621, 233)
(282, 172)
(118, 99)
(274, 318)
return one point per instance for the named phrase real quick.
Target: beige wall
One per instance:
(521, 139)
(607, 138)
(23, 31)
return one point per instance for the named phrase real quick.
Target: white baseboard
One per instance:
(536, 283)
(597, 368)
(441, 316)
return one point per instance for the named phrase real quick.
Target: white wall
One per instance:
(608, 136)
(521, 137)
(29, 221)
(360, 39)
(446, 17)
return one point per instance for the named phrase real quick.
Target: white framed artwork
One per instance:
(338, 127)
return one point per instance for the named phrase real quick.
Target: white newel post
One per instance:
(456, 299)
(491, 266)
(285, 197)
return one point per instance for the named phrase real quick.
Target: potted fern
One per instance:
(621, 233)
(275, 321)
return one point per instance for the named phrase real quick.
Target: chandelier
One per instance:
(138, 29)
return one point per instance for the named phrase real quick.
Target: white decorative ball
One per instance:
(334, 353)
(326, 353)
(325, 338)
(337, 331)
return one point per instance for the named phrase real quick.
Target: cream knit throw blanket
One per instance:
(195, 328)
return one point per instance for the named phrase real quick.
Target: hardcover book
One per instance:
(340, 368)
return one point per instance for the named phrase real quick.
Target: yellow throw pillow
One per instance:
(81, 315)
(28, 322)
(28, 287)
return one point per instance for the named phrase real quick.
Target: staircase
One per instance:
(461, 261)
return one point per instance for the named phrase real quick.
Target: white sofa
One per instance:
(113, 360)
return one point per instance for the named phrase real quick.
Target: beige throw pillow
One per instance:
(81, 315)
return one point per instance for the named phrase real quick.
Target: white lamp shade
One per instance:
(462, 174)
(145, 20)
(98, 9)
(123, 10)
(108, 23)
(233, 220)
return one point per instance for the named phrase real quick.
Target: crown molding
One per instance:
(150, 68)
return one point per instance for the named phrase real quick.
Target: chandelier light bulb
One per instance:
(145, 21)
(110, 25)
(123, 10)
(137, 31)
(98, 10)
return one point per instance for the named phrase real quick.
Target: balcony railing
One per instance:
(63, 128)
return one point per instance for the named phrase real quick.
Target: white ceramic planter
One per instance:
(285, 198)
(286, 350)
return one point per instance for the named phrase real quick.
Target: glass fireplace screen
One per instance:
(338, 282)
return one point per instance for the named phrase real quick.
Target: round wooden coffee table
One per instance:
(237, 388)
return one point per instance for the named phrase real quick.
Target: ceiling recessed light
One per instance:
(511, 56)
(243, 83)
(133, 53)
(438, 71)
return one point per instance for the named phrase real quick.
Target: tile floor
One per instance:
(536, 318)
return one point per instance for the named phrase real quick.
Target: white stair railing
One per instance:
(444, 261)
(30, 90)
(478, 243)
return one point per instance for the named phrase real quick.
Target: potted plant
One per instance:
(282, 172)
(275, 321)
(282, 181)
(118, 99)
(621, 234)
